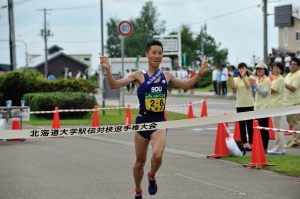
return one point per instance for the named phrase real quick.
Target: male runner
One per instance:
(152, 93)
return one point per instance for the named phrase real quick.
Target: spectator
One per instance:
(219, 80)
(214, 79)
(277, 89)
(78, 75)
(234, 71)
(292, 97)
(51, 77)
(244, 102)
(182, 75)
(262, 88)
(224, 79)
(191, 74)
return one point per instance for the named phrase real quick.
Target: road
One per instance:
(100, 167)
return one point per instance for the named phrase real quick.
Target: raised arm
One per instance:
(190, 82)
(113, 83)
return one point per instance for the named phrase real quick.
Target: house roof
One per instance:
(5, 67)
(54, 49)
(40, 60)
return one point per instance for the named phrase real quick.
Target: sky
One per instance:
(75, 24)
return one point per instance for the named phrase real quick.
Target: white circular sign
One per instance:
(125, 28)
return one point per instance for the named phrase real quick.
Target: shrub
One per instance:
(64, 100)
(15, 84)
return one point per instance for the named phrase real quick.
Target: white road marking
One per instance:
(210, 184)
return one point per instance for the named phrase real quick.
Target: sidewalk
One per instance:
(190, 93)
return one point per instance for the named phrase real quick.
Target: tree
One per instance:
(189, 45)
(113, 43)
(207, 46)
(144, 27)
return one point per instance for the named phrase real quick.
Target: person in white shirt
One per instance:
(182, 75)
(215, 79)
(224, 79)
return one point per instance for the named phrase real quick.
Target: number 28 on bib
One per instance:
(155, 102)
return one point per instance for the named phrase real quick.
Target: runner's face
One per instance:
(154, 55)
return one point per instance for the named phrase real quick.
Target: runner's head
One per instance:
(154, 53)
(153, 42)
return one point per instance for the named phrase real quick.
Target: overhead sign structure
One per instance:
(125, 28)
(171, 44)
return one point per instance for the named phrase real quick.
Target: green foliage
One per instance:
(15, 84)
(147, 24)
(188, 45)
(64, 100)
(208, 46)
(205, 80)
(144, 27)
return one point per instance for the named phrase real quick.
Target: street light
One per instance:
(26, 49)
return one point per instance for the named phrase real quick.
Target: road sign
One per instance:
(125, 28)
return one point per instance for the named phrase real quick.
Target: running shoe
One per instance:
(276, 151)
(138, 196)
(152, 188)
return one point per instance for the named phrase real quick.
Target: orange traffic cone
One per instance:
(95, 121)
(258, 154)
(128, 116)
(237, 133)
(190, 114)
(56, 122)
(204, 108)
(271, 132)
(220, 144)
(165, 115)
(16, 125)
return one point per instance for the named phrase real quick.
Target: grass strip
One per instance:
(284, 164)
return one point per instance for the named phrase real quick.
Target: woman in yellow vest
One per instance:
(244, 102)
(262, 88)
(277, 95)
(292, 97)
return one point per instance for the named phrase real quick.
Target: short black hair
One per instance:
(295, 59)
(279, 65)
(153, 42)
(241, 65)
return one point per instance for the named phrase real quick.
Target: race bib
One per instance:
(155, 102)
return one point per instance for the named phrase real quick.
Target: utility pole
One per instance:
(101, 71)
(265, 18)
(12, 41)
(45, 33)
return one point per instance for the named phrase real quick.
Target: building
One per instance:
(287, 19)
(61, 64)
(5, 68)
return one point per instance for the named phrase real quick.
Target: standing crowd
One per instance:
(264, 89)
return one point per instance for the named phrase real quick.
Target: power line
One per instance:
(218, 16)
